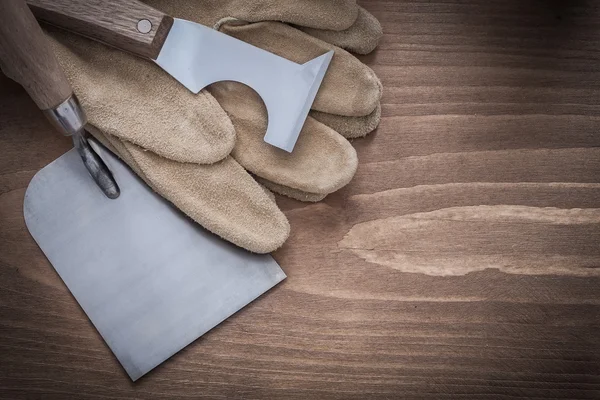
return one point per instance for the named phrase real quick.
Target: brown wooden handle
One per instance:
(129, 25)
(26, 56)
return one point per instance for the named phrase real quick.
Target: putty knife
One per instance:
(197, 56)
(149, 279)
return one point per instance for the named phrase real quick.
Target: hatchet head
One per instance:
(198, 56)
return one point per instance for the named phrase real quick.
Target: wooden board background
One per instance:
(463, 261)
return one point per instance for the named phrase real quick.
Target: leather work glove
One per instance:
(195, 150)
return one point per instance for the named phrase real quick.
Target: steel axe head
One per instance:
(198, 56)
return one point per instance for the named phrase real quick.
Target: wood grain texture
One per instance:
(26, 57)
(113, 22)
(462, 262)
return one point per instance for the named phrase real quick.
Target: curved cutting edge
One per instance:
(198, 56)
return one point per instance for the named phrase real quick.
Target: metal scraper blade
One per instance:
(149, 279)
(198, 56)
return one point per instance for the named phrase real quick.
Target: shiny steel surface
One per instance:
(150, 280)
(96, 166)
(70, 119)
(197, 56)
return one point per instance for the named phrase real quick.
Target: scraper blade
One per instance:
(149, 279)
(197, 56)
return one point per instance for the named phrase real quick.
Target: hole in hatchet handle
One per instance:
(113, 22)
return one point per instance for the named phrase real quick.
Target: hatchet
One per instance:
(197, 56)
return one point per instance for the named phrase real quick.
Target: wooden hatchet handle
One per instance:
(26, 57)
(128, 25)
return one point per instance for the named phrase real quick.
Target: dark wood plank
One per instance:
(462, 262)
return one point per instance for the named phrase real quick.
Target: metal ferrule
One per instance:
(68, 117)
(96, 166)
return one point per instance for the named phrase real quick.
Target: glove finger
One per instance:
(290, 192)
(322, 160)
(349, 88)
(222, 197)
(362, 37)
(350, 127)
(134, 100)
(322, 14)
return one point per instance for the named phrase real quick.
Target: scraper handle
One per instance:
(129, 25)
(26, 57)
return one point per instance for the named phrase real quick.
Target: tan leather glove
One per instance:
(178, 142)
(348, 101)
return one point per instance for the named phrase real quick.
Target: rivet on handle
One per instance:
(144, 26)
